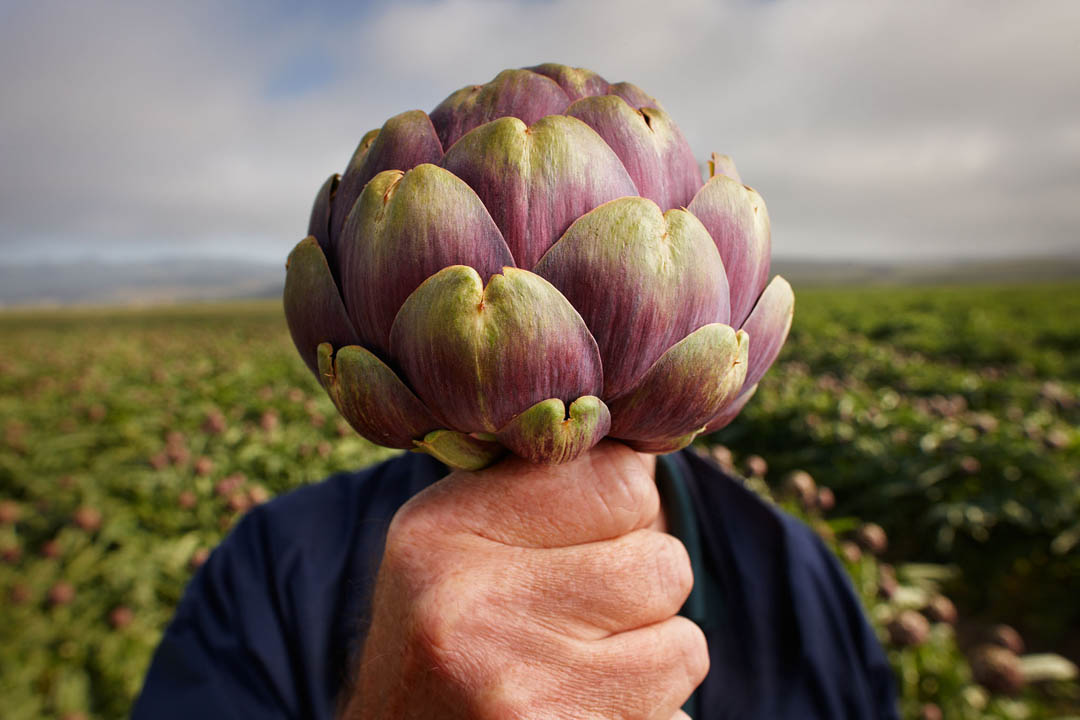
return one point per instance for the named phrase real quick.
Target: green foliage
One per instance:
(950, 416)
(132, 440)
(931, 667)
(169, 424)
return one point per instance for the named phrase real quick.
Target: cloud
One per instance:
(873, 129)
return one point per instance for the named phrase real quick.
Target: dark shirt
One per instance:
(269, 625)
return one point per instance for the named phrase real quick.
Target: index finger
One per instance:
(604, 494)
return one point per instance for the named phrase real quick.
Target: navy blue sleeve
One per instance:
(792, 640)
(267, 626)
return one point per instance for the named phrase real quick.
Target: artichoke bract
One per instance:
(533, 266)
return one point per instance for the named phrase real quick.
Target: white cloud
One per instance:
(872, 128)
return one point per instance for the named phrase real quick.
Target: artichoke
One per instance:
(908, 629)
(534, 265)
(997, 669)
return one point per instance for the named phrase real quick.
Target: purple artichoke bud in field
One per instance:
(723, 457)
(997, 669)
(887, 582)
(908, 628)
(61, 593)
(800, 485)
(871, 537)
(1007, 637)
(10, 511)
(755, 466)
(534, 265)
(941, 609)
(930, 711)
(850, 552)
(87, 518)
(121, 616)
(11, 553)
(826, 499)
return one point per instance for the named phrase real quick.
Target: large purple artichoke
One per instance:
(533, 266)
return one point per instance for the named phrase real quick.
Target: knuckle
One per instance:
(674, 574)
(691, 649)
(502, 702)
(443, 639)
(408, 518)
(455, 641)
(410, 529)
(624, 488)
(459, 618)
(433, 628)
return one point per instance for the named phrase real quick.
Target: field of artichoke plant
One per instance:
(928, 434)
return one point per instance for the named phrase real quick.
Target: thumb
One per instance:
(603, 494)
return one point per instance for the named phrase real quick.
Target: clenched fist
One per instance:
(524, 591)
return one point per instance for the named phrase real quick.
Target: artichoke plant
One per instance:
(533, 266)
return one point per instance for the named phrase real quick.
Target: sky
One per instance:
(875, 131)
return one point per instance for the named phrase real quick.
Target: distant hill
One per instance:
(181, 280)
(805, 272)
(103, 283)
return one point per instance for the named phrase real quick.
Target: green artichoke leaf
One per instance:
(769, 325)
(536, 180)
(459, 450)
(314, 310)
(735, 217)
(404, 228)
(479, 356)
(730, 411)
(372, 397)
(662, 446)
(642, 280)
(685, 388)
(650, 146)
(549, 433)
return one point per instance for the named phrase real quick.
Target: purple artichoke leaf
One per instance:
(685, 388)
(372, 397)
(731, 410)
(723, 165)
(736, 218)
(549, 433)
(314, 310)
(403, 229)
(662, 279)
(459, 450)
(319, 224)
(768, 326)
(663, 446)
(526, 95)
(479, 356)
(403, 142)
(338, 210)
(650, 146)
(536, 180)
(575, 82)
(634, 96)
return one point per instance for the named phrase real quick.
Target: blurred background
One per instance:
(921, 167)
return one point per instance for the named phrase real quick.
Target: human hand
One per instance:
(525, 591)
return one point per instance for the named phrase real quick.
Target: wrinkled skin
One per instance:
(536, 265)
(530, 591)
